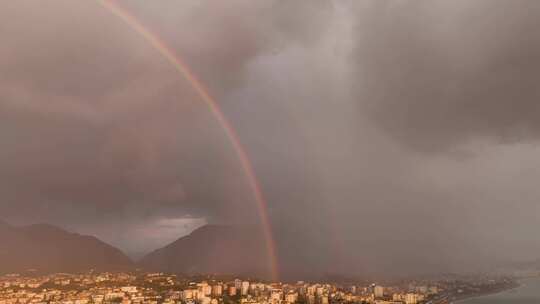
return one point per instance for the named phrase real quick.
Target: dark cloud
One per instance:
(336, 104)
(219, 39)
(99, 130)
(435, 74)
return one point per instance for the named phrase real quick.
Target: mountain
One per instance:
(213, 249)
(46, 248)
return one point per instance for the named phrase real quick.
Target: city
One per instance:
(160, 288)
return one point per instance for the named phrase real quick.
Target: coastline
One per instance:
(516, 285)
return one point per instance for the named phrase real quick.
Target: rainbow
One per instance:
(214, 108)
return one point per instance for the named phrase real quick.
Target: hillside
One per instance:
(46, 248)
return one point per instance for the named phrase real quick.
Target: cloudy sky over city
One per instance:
(380, 131)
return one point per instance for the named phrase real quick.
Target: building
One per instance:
(217, 290)
(378, 291)
(238, 284)
(245, 288)
(291, 298)
(204, 289)
(187, 294)
(411, 298)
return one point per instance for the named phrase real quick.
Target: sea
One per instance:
(527, 293)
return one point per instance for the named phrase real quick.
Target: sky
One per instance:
(387, 136)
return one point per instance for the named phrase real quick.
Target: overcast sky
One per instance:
(385, 134)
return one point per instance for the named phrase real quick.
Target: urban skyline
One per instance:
(171, 289)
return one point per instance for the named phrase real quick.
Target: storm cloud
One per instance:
(440, 73)
(389, 136)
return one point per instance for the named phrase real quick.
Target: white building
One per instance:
(411, 298)
(245, 288)
(378, 291)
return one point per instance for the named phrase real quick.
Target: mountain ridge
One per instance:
(217, 249)
(47, 248)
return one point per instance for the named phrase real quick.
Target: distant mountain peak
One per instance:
(48, 248)
(219, 249)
